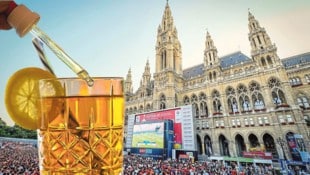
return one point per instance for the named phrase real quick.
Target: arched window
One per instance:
(303, 101)
(148, 107)
(141, 108)
(244, 100)
(194, 98)
(263, 62)
(231, 99)
(203, 105)
(257, 97)
(135, 110)
(269, 60)
(194, 102)
(196, 110)
(278, 97)
(163, 59)
(295, 81)
(217, 105)
(186, 100)
(162, 102)
(203, 109)
(214, 75)
(174, 60)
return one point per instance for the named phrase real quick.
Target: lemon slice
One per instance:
(22, 96)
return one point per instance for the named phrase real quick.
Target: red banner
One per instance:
(163, 115)
(257, 154)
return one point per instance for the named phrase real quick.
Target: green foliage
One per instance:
(17, 132)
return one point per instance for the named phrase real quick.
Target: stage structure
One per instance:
(162, 134)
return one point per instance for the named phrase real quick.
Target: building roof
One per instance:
(296, 59)
(193, 71)
(233, 59)
(226, 61)
(238, 57)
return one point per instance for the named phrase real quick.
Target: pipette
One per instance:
(62, 55)
(24, 20)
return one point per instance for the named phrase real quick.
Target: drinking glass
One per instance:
(81, 127)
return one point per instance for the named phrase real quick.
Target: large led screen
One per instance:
(148, 135)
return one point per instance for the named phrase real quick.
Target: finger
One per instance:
(4, 5)
(4, 25)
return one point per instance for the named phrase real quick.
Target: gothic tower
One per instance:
(168, 73)
(168, 47)
(263, 52)
(128, 83)
(211, 59)
(146, 77)
(145, 83)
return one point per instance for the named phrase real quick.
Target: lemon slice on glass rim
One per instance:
(22, 96)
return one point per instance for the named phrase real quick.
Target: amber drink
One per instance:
(81, 127)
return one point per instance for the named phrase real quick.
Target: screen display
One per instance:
(148, 135)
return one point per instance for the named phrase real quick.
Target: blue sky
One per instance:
(109, 37)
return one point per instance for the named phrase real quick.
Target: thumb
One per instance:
(4, 25)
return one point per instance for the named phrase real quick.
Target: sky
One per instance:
(109, 37)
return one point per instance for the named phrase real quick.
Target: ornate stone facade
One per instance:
(240, 103)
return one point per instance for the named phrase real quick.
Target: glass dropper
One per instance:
(62, 55)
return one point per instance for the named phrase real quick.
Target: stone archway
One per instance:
(240, 145)
(270, 145)
(208, 146)
(224, 146)
(199, 147)
(254, 143)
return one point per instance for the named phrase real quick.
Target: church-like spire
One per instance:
(168, 47)
(258, 36)
(167, 20)
(210, 53)
(128, 83)
(263, 51)
(146, 74)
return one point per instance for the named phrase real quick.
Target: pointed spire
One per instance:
(261, 45)
(167, 20)
(253, 23)
(146, 78)
(128, 78)
(210, 53)
(147, 65)
(209, 42)
(168, 47)
(128, 83)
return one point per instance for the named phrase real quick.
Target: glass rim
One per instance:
(78, 78)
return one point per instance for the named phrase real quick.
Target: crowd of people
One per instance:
(137, 165)
(21, 158)
(18, 158)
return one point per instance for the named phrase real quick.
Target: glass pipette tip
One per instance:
(62, 55)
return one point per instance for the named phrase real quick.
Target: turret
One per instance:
(146, 75)
(262, 49)
(168, 47)
(210, 53)
(128, 83)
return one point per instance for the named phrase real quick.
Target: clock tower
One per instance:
(168, 73)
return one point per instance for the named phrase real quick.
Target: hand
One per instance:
(5, 8)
